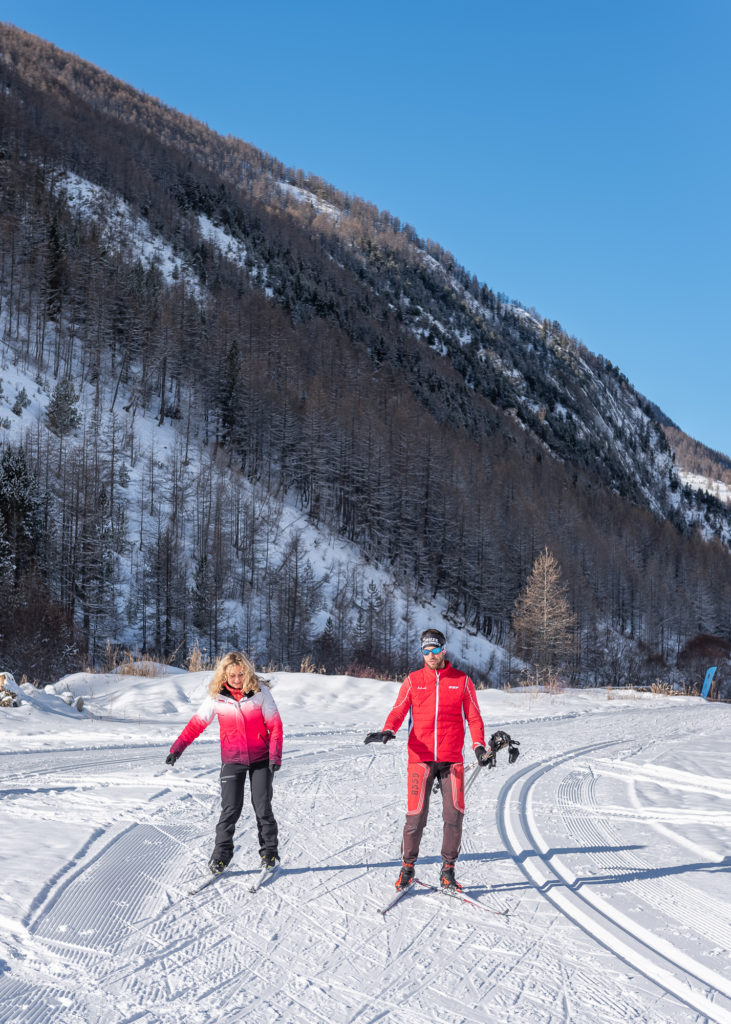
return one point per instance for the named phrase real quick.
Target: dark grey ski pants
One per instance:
(421, 778)
(233, 781)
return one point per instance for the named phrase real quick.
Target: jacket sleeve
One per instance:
(273, 722)
(200, 720)
(472, 713)
(401, 707)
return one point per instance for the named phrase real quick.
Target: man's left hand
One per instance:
(485, 758)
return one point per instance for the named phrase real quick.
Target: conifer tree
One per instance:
(21, 402)
(327, 645)
(20, 511)
(201, 594)
(543, 620)
(7, 565)
(62, 414)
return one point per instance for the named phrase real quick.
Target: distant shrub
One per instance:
(662, 687)
(197, 662)
(131, 663)
(360, 671)
(308, 665)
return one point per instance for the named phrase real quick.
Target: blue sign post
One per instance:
(707, 682)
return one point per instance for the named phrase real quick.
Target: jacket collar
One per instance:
(431, 674)
(237, 696)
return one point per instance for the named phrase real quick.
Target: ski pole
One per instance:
(473, 775)
(497, 741)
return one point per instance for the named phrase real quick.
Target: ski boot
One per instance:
(216, 865)
(447, 879)
(269, 861)
(406, 876)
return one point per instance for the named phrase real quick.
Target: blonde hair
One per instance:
(251, 682)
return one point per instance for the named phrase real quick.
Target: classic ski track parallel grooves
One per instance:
(669, 968)
(672, 896)
(64, 769)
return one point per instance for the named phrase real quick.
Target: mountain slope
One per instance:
(335, 360)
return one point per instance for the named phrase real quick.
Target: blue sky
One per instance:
(575, 156)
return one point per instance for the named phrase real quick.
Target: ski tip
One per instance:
(265, 877)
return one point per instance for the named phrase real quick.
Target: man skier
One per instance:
(439, 699)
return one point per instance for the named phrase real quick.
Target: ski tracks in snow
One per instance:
(692, 981)
(114, 938)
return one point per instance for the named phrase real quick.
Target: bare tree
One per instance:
(543, 620)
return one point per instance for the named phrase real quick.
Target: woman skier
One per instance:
(251, 746)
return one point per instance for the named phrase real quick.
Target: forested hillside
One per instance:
(229, 366)
(696, 458)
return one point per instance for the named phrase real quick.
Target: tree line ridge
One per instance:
(339, 365)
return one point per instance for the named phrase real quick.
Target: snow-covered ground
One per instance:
(608, 841)
(697, 482)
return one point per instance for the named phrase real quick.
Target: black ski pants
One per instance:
(233, 781)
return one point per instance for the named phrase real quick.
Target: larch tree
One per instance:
(543, 621)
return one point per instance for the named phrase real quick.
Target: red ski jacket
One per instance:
(438, 704)
(251, 729)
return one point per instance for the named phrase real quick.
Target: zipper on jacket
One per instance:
(436, 715)
(242, 716)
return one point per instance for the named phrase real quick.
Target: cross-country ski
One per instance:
(400, 893)
(204, 883)
(462, 896)
(457, 894)
(265, 876)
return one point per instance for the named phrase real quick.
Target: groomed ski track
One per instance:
(700, 987)
(602, 929)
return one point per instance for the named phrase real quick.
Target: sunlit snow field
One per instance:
(608, 842)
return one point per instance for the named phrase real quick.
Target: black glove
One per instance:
(498, 740)
(171, 758)
(274, 767)
(485, 759)
(379, 737)
(513, 752)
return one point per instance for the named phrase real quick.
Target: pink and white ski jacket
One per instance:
(439, 703)
(251, 729)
